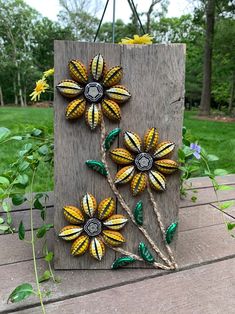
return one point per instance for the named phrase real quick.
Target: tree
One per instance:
(207, 64)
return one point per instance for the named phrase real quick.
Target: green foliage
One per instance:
(21, 292)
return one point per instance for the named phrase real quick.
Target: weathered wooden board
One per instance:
(155, 77)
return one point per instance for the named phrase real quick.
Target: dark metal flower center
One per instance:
(144, 161)
(93, 227)
(93, 91)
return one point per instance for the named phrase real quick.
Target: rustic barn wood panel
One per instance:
(155, 77)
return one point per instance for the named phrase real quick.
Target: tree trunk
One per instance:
(20, 89)
(1, 97)
(15, 93)
(207, 66)
(230, 106)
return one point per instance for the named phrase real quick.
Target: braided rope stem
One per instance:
(162, 228)
(124, 204)
(138, 258)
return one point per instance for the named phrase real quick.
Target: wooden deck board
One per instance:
(203, 239)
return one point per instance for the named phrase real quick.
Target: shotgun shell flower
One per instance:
(93, 226)
(94, 90)
(149, 161)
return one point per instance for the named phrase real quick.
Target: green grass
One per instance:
(217, 138)
(21, 121)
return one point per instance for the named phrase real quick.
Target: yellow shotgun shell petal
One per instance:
(115, 222)
(93, 116)
(157, 180)
(138, 183)
(121, 156)
(69, 233)
(80, 245)
(75, 108)
(150, 139)
(113, 76)
(97, 67)
(89, 204)
(166, 166)
(78, 71)
(113, 238)
(124, 175)
(111, 109)
(164, 149)
(73, 214)
(132, 141)
(118, 93)
(106, 208)
(97, 248)
(69, 88)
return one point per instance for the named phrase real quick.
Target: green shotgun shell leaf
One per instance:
(110, 138)
(97, 166)
(144, 253)
(170, 231)
(122, 261)
(138, 213)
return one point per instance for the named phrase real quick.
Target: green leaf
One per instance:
(1, 220)
(37, 132)
(138, 213)
(184, 130)
(170, 232)
(43, 150)
(21, 231)
(4, 133)
(37, 203)
(4, 228)
(226, 204)
(110, 138)
(97, 166)
(16, 138)
(22, 180)
(20, 293)
(225, 188)
(220, 172)
(43, 230)
(145, 253)
(49, 257)
(212, 157)
(230, 226)
(194, 199)
(181, 155)
(4, 181)
(45, 277)
(18, 199)
(6, 206)
(23, 166)
(122, 261)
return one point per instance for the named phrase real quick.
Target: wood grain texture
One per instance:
(155, 77)
(205, 290)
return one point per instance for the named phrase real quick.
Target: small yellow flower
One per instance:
(41, 86)
(137, 40)
(49, 72)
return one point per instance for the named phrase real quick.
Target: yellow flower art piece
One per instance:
(94, 90)
(150, 161)
(93, 226)
(137, 40)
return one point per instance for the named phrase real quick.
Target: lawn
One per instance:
(216, 137)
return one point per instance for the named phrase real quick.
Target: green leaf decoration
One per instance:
(21, 231)
(170, 231)
(110, 138)
(138, 213)
(97, 166)
(43, 230)
(122, 261)
(20, 293)
(145, 253)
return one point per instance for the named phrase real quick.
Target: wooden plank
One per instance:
(156, 83)
(204, 182)
(205, 196)
(195, 247)
(207, 289)
(74, 144)
(26, 205)
(157, 86)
